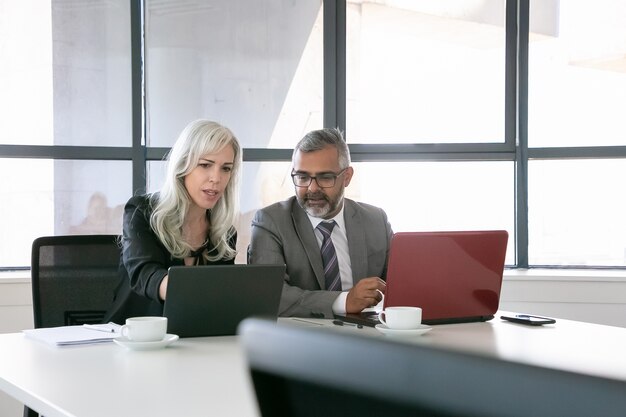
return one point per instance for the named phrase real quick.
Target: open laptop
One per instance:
(454, 277)
(211, 300)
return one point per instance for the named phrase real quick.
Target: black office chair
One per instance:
(73, 279)
(305, 372)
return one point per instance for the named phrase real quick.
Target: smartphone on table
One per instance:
(528, 319)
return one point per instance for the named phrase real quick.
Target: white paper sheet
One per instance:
(75, 335)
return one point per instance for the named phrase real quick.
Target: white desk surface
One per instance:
(192, 377)
(573, 346)
(208, 376)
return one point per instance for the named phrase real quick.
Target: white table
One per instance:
(208, 376)
(573, 346)
(192, 377)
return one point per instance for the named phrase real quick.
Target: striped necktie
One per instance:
(329, 257)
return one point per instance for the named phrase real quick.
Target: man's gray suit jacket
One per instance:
(282, 234)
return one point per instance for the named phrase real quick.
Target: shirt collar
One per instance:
(338, 218)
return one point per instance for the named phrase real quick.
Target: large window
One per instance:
(577, 74)
(576, 102)
(66, 90)
(404, 83)
(460, 114)
(254, 66)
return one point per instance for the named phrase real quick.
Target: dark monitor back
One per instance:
(319, 372)
(279, 396)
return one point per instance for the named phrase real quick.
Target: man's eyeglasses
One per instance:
(322, 180)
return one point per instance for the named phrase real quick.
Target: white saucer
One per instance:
(168, 339)
(403, 333)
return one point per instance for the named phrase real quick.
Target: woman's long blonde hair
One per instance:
(170, 206)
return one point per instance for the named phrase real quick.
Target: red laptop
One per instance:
(453, 276)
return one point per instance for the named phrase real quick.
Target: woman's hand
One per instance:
(163, 288)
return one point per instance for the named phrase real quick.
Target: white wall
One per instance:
(590, 296)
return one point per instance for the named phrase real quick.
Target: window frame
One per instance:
(513, 148)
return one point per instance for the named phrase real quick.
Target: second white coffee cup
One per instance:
(401, 318)
(145, 329)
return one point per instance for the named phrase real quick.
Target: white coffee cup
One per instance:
(145, 329)
(401, 318)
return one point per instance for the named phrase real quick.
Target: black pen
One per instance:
(346, 323)
(307, 321)
(100, 328)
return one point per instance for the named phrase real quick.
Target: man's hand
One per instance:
(366, 293)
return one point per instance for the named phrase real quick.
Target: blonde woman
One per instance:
(188, 222)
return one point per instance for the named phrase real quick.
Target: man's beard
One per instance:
(319, 211)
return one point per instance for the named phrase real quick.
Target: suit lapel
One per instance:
(355, 232)
(305, 233)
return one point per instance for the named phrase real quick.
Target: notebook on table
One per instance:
(212, 300)
(454, 277)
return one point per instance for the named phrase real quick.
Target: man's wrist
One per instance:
(339, 305)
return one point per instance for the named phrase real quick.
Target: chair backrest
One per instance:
(73, 278)
(306, 372)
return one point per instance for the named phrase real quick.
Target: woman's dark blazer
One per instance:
(143, 265)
